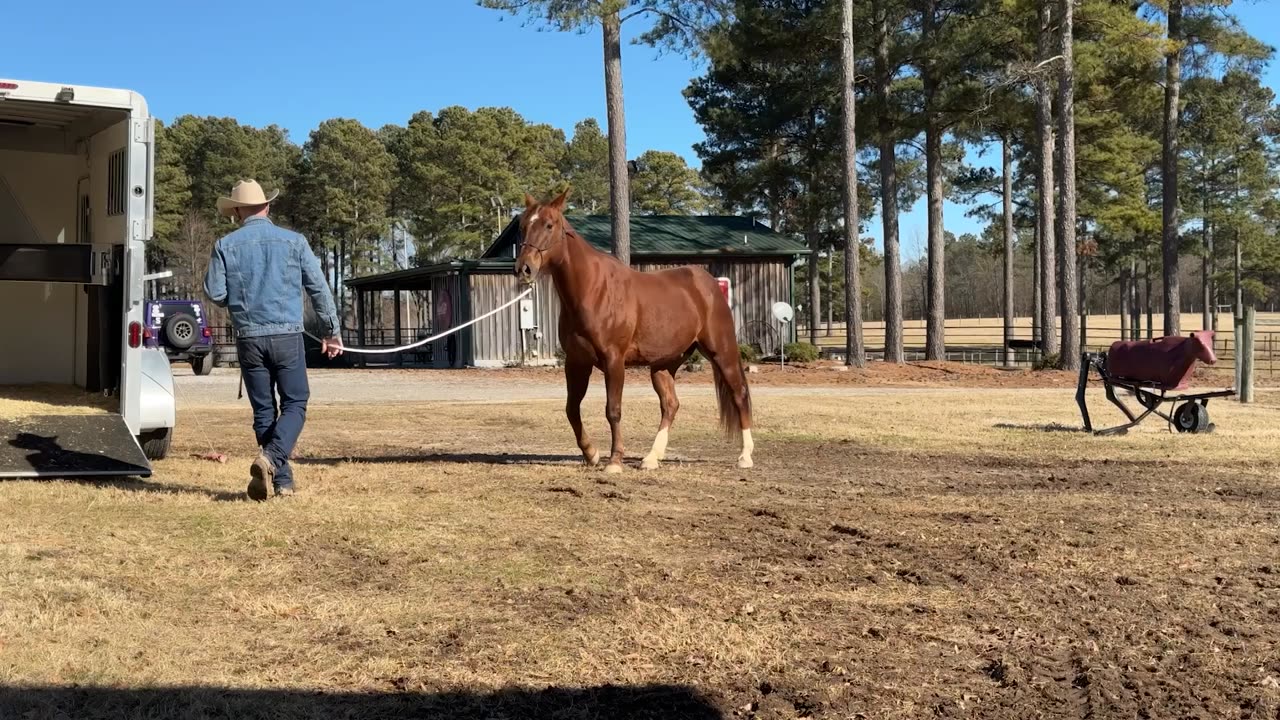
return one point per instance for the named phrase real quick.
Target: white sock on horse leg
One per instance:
(748, 447)
(657, 452)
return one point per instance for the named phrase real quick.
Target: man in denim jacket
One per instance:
(259, 273)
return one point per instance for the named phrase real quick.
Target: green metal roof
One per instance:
(419, 278)
(672, 235)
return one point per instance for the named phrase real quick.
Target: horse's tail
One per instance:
(730, 417)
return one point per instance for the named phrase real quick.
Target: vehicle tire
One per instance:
(203, 364)
(180, 331)
(155, 443)
(1191, 417)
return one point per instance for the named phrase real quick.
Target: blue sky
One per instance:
(296, 63)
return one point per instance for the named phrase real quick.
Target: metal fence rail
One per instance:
(981, 342)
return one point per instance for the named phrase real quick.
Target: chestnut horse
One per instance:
(612, 317)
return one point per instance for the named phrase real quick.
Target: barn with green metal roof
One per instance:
(758, 263)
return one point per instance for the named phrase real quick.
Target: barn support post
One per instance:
(360, 342)
(396, 320)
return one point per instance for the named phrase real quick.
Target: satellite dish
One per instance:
(782, 312)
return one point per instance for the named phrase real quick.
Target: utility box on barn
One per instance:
(528, 321)
(726, 289)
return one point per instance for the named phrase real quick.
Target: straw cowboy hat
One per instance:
(246, 193)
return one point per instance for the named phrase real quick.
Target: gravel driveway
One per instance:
(384, 386)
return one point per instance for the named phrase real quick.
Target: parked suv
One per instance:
(178, 327)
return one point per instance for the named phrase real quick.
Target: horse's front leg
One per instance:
(578, 378)
(615, 374)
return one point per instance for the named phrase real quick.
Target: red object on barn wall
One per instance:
(724, 288)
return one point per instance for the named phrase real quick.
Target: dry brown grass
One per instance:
(895, 555)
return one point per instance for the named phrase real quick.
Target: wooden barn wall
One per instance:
(453, 284)
(495, 342)
(755, 285)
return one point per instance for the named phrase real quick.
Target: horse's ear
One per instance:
(529, 202)
(558, 203)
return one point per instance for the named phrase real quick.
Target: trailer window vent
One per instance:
(116, 181)
(86, 227)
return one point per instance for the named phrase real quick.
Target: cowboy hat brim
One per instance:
(225, 204)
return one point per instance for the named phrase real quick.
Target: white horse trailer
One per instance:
(76, 200)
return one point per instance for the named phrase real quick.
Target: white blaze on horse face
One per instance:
(533, 218)
(748, 447)
(657, 453)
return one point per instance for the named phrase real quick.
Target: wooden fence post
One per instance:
(1245, 357)
(1237, 365)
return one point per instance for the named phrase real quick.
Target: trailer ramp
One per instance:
(67, 446)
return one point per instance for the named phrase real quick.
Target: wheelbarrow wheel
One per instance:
(1192, 417)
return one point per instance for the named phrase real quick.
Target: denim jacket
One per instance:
(259, 273)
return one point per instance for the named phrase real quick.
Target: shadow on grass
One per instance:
(1040, 427)
(449, 458)
(609, 701)
(138, 485)
(465, 459)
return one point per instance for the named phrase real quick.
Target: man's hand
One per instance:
(331, 347)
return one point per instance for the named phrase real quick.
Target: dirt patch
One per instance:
(895, 556)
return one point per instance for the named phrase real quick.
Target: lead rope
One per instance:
(410, 346)
(424, 341)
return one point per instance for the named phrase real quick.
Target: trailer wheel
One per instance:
(155, 443)
(202, 364)
(1191, 417)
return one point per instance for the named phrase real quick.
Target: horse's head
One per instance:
(542, 230)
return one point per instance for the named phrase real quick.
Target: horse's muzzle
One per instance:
(525, 273)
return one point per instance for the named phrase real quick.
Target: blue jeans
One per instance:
(274, 364)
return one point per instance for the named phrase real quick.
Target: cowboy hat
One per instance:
(246, 193)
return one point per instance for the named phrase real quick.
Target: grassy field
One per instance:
(895, 554)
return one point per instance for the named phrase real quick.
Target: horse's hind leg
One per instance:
(578, 377)
(615, 374)
(664, 383)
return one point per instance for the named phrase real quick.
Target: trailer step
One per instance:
(64, 446)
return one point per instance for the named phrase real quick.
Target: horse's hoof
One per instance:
(745, 463)
(649, 463)
(593, 460)
(613, 469)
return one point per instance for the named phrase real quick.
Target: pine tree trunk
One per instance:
(815, 292)
(888, 193)
(1067, 261)
(1044, 131)
(1006, 153)
(1135, 304)
(1169, 171)
(619, 182)
(1124, 303)
(831, 295)
(1206, 277)
(1213, 281)
(1082, 301)
(935, 334)
(1037, 297)
(339, 279)
(1151, 331)
(853, 345)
